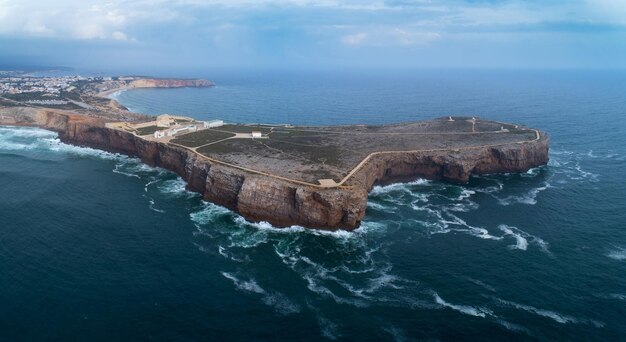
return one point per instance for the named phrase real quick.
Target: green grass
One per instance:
(148, 130)
(245, 128)
(314, 154)
(228, 146)
(200, 138)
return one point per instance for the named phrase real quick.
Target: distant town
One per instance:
(59, 92)
(88, 95)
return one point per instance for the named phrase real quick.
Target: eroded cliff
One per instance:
(280, 202)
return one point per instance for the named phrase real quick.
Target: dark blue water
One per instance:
(99, 246)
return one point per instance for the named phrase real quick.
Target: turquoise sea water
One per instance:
(97, 246)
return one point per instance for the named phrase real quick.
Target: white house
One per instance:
(213, 123)
(184, 129)
(256, 134)
(159, 134)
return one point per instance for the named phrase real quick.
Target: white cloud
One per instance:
(117, 35)
(354, 39)
(611, 11)
(67, 19)
(355, 22)
(390, 36)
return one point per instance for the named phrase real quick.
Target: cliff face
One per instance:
(280, 202)
(453, 166)
(255, 197)
(169, 83)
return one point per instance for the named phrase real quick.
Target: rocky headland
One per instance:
(258, 196)
(107, 87)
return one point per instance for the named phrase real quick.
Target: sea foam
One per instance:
(617, 253)
(465, 309)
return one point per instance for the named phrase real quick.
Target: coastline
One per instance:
(282, 202)
(111, 93)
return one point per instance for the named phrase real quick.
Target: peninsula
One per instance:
(317, 177)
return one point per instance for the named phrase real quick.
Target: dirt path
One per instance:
(341, 185)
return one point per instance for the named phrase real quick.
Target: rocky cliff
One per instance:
(283, 203)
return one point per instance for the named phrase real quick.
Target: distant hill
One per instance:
(31, 68)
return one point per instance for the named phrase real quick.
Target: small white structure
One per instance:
(174, 131)
(256, 134)
(184, 129)
(213, 123)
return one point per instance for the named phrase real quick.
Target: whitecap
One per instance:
(371, 226)
(521, 242)
(281, 303)
(567, 165)
(208, 213)
(177, 188)
(153, 208)
(268, 227)
(25, 132)
(463, 207)
(228, 255)
(30, 138)
(555, 316)
(244, 285)
(529, 198)
(404, 187)
(532, 172)
(617, 296)
(145, 188)
(465, 193)
(222, 252)
(475, 231)
(380, 207)
(314, 286)
(465, 309)
(618, 253)
(118, 170)
(522, 237)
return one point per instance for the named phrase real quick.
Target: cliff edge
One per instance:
(259, 196)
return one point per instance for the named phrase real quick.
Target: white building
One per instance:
(174, 131)
(256, 134)
(213, 123)
(185, 129)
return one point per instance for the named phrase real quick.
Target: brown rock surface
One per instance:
(281, 202)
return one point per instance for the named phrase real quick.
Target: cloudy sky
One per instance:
(315, 33)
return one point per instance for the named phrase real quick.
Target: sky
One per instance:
(314, 33)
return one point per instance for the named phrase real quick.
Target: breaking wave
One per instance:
(353, 268)
(465, 309)
(617, 253)
(521, 238)
(278, 301)
(555, 316)
(244, 285)
(31, 139)
(43, 144)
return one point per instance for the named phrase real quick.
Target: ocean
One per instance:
(98, 246)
